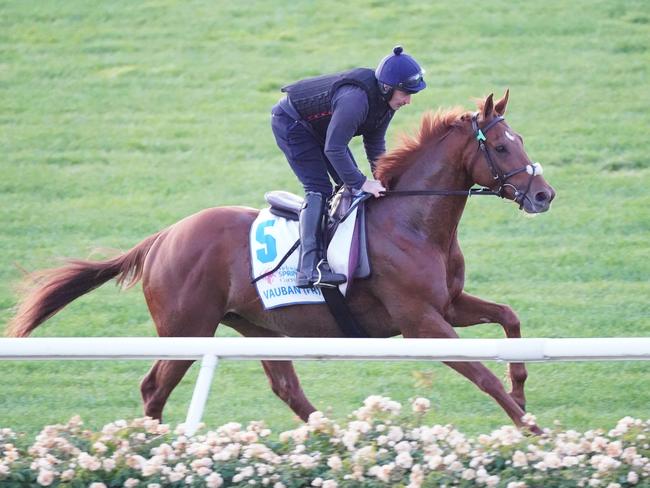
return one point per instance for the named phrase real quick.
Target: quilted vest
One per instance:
(312, 99)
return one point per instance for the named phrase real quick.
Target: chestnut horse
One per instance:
(196, 273)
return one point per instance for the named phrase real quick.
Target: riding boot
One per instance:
(313, 269)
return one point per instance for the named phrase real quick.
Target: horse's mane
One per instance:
(392, 164)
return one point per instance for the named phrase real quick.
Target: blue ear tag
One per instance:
(480, 136)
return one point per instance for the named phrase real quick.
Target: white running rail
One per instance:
(211, 350)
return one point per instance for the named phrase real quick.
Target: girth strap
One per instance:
(342, 314)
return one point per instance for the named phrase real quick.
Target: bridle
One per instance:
(533, 170)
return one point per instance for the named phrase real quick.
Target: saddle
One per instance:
(287, 205)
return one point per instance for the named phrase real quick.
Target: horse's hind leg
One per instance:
(158, 384)
(162, 378)
(281, 374)
(469, 310)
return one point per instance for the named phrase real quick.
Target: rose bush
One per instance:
(378, 446)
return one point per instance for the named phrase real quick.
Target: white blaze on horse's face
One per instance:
(510, 136)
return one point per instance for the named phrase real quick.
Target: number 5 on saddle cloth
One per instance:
(274, 238)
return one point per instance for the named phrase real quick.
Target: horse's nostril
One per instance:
(541, 196)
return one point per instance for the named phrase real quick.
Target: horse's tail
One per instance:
(56, 288)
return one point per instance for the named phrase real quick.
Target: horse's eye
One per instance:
(501, 149)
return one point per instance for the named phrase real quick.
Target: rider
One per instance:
(313, 126)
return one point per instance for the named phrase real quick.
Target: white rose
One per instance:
(570, 461)
(614, 449)
(469, 474)
(421, 405)
(529, 419)
(214, 480)
(632, 478)
(100, 447)
(403, 446)
(67, 475)
(45, 477)
(335, 463)
(404, 460)
(174, 476)
(552, 460)
(449, 458)
(382, 472)
(434, 461)
(519, 459)
(149, 469)
(456, 466)
(86, 461)
(316, 420)
(395, 434)
(366, 453)
(492, 481)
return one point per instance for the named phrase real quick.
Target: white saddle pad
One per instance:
(271, 237)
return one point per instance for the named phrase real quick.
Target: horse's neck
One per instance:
(435, 217)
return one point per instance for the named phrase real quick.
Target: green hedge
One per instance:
(379, 446)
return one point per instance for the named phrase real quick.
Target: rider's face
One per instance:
(398, 99)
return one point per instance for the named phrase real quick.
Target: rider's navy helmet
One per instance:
(400, 71)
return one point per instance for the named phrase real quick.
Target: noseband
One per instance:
(532, 169)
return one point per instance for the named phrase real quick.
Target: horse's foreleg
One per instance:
(490, 384)
(282, 377)
(285, 384)
(434, 326)
(469, 310)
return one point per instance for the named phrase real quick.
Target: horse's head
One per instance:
(499, 161)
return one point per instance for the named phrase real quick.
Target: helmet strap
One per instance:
(385, 90)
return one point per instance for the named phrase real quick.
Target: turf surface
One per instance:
(120, 118)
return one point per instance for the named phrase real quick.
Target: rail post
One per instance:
(200, 395)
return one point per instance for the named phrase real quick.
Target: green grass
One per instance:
(118, 119)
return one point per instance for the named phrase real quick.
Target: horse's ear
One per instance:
(500, 106)
(488, 106)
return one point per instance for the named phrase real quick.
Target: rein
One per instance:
(479, 133)
(460, 193)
